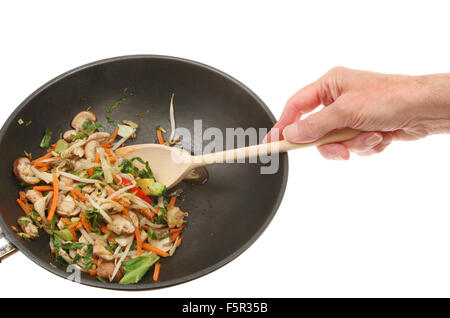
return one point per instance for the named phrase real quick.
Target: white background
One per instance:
(377, 226)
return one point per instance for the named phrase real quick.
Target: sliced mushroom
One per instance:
(90, 149)
(101, 137)
(27, 226)
(106, 269)
(101, 251)
(120, 225)
(163, 241)
(67, 136)
(175, 217)
(33, 195)
(81, 117)
(66, 207)
(112, 207)
(22, 170)
(197, 176)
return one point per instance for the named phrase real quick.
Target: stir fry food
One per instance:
(106, 214)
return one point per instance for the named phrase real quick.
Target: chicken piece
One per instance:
(120, 225)
(106, 269)
(33, 195)
(101, 137)
(67, 136)
(101, 251)
(22, 170)
(27, 226)
(90, 149)
(112, 207)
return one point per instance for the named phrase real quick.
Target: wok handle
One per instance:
(6, 248)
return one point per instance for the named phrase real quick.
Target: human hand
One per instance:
(384, 107)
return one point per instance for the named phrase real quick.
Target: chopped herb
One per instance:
(94, 219)
(79, 136)
(24, 223)
(127, 167)
(88, 125)
(145, 173)
(133, 246)
(160, 218)
(111, 108)
(163, 237)
(152, 234)
(111, 247)
(28, 123)
(26, 153)
(97, 174)
(80, 186)
(52, 224)
(45, 142)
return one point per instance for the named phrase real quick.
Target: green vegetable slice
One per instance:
(136, 268)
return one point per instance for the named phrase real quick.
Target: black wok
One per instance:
(227, 214)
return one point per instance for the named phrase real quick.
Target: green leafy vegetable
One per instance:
(80, 186)
(65, 235)
(88, 258)
(146, 172)
(79, 136)
(151, 234)
(45, 142)
(76, 259)
(136, 268)
(111, 247)
(75, 245)
(111, 108)
(161, 215)
(94, 219)
(97, 174)
(88, 125)
(101, 279)
(53, 223)
(61, 145)
(23, 222)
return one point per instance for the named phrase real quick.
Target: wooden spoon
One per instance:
(171, 164)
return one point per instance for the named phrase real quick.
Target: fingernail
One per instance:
(374, 140)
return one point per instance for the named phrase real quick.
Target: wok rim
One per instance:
(17, 242)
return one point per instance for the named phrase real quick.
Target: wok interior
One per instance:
(225, 214)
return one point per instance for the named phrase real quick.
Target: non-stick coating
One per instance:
(226, 215)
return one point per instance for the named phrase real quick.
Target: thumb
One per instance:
(316, 125)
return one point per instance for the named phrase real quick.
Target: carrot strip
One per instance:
(79, 194)
(43, 169)
(85, 224)
(160, 137)
(22, 196)
(14, 229)
(72, 231)
(66, 221)
(92, 272)
(43, 188)
(146, 227)
(172, 201)
(114, 134)
(97, 157)
(111, 239)
(125, 212)
(51, 213)
(40, 164)
(104, 229)
(177, 230)
(157, 269)
(24, 206)
(100, 261)
(138, 241)
(179, 241)
(48, 155)
(90, 172)
(155, 250)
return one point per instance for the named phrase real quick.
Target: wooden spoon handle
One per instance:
(241, 154)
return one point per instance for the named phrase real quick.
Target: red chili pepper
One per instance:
(139, 192)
